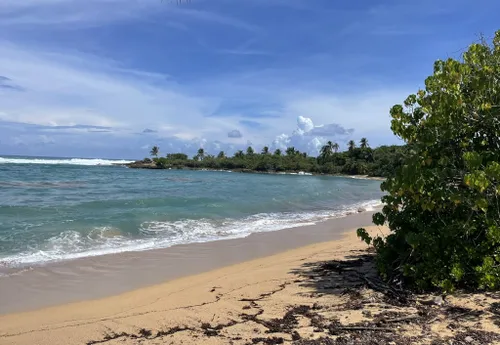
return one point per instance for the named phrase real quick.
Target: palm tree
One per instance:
(363, 143)
(265, 150)
(351, 145)
(201, 153)
(239, 154)
(250, 151)
(290, 151)
(221, 155)
(277, 152)
(326, 151)
(335, 147)
(155, 150)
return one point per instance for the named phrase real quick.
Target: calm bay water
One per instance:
(57, 209)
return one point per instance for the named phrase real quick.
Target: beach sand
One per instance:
(107, 275)
(303, 296)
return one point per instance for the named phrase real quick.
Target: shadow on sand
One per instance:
(391, 315)
(342, 302)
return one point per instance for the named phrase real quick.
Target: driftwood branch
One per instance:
(400, 319)
(361, 328)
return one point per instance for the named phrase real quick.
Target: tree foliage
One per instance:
(155, 150)
(381, 161)
(442, 205)
(363, 143)
(351, 145)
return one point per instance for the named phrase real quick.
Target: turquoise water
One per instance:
(57, 209)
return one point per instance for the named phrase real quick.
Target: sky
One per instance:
(112, 78)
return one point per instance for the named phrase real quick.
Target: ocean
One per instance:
(54, 209)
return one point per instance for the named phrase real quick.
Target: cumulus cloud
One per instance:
(305, 124)
(310, 138)
(329, 130)
(97, 105)
(234, 134)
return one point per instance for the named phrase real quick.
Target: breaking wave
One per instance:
(158, 234)
(62, 161)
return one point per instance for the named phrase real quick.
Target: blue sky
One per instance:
(110, 78)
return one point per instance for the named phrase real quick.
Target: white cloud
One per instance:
(329, 130)
(57, 92)
(367, 112)
(89, 13)
(305, 124)
(234, 134)
(310, 138)
(60, 89)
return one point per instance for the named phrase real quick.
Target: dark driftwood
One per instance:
(400, 319)
(361, 328)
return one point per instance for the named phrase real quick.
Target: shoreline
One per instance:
(152, 166)
(85, 322)
(107, 275)
(317, 294)
(9, 265)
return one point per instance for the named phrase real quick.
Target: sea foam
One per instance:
(71, 245)
(62, 161)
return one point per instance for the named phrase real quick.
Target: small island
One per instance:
(361, 161)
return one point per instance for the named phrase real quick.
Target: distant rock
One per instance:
(361, 209)
(143, 164)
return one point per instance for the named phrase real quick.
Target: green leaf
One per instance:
(378, 219)
(477, 180)
(494, 234)
(412, 239)
(482, 204)
(364, 236)
(473, 160)
(457, 272)
(493, 170)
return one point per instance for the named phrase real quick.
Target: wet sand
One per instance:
(321, 294)
(109, 275)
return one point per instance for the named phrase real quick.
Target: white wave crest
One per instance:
(161, 234)
(62, 161)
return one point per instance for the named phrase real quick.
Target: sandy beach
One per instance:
(323, 293)
(68, 281)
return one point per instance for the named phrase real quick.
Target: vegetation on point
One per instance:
(362, 160)
(442, 205)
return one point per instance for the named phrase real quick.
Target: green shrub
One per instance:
(442, 205)
(162, 162)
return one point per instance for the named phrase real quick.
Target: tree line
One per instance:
(357, 160)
